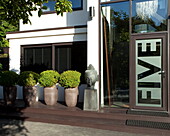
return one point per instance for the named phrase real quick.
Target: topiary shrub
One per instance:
(8, 78)
(48, 78)
(28, 78)
(70, 79)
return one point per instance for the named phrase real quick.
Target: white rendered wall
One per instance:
(79, 17)
(93, 39)
(76, 18)
(52, 36)
(91, 35)
(40, 37)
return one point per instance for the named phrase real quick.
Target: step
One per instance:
(148, 113)
(99, 123)
(148, 124)
(106, 118)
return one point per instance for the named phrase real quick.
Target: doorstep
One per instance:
(107, 118)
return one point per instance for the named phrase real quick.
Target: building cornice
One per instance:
(48, 29)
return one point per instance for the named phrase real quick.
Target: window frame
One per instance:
(74, 9)
(70, 45)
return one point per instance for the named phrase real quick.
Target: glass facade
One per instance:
(149, 15)
(115, 20)
(121, 20)
(76, 4)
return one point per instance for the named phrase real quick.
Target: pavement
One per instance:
(11, 127)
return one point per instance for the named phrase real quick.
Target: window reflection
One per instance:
(76, 5)
(116, 53)
(149, 15)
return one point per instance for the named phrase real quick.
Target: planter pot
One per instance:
(10, 93)
(50, 95)
(29, 95)
(71, 96)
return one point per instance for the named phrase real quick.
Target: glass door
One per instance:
(115, 30)
(149, 72)
(134, 44)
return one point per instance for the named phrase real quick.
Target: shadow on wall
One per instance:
(79, 49)
(78, 17)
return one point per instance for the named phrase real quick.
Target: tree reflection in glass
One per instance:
(116, 52)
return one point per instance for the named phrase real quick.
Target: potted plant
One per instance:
(70, 80)
(8, 80)
(48, 79)
(28, 79)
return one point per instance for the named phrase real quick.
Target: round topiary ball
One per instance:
(70, 79)
(48, 78)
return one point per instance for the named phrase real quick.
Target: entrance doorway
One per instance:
(134, 53)
(149, 72)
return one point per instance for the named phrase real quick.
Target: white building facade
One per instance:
(126, 43)
(55, 42)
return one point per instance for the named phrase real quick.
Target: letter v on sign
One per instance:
(152, 69)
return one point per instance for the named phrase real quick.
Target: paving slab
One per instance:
(11, 127)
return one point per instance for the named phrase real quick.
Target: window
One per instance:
(37, 59)
(61, 57)
(76, 5)
(115, 20)
(149, 16)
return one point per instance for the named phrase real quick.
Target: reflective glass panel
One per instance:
(37, 59)
(76, 4)
(149, 15)
(115, 20)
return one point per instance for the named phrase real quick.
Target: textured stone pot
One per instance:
(10, 93)
(71, 96)
(29, 95)
(50, 95)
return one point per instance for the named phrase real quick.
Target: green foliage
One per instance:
(48, 78)
(70, 79)
(11, 11)
(28, 78)
(14, 10)
(63, 6)
(1, 67)
(8, 78)
(6, 27)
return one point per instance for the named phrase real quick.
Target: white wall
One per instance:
(40, 37)
(89, 34)
(61, 35)
(31, 38)
(79, 17)
(93, 39)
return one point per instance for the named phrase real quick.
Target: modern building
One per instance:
(127, 42)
